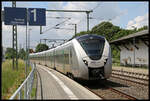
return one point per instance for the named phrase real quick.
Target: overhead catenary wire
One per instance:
(59, 17)
(78, 22)
(96, 18)
(96, 6)
(56, 25)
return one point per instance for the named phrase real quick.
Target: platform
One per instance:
(54, 85)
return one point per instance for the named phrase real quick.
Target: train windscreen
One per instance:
(93, 46)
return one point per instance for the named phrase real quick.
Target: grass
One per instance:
(12, 79)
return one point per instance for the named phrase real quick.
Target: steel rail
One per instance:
(131, 77)
(94, 92)
(123, 94)
(131, 72)
(112, 90)
(131, 81)
(119, 92)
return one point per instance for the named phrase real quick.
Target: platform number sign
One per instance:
(20, 16)
(37, 16)
(15, 16)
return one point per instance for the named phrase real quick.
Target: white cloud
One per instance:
(105, 11)
(6, 35)
(138, 22)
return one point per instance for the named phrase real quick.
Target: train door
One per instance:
(73, 63)
(70, 59)
(54, 60)
(63, 60)
(45, 55)
(75, 67)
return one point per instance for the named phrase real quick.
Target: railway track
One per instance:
(135, 75)
(106, 92)
(111, 93)
(121, 85)
(145, 84)
(122, 94)
(128, 76)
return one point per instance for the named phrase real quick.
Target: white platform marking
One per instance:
(65, 88)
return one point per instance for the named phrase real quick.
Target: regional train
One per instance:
(85, 57)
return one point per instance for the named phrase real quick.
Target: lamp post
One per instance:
(29, 46)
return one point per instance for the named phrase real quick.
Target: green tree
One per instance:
(10, 53)
(143, 28)
(22, 54)
(106, 29)
(41, 47)
(122, 33)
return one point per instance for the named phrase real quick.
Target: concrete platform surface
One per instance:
(54, 85)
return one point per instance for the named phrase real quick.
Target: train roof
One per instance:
(82, 37)
(46, 51)
(86, 36)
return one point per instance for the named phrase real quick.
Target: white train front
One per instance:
(85, 57)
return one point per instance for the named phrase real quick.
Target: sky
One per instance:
(122, 14)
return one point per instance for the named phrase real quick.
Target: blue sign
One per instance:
(37, 16)
(15, 16)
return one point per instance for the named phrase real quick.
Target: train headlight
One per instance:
(86, 63)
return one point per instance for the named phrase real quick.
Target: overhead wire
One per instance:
(94, 9)
(96, 6)
(69, 19)
(56, 25)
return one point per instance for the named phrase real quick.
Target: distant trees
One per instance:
(22, 54)
(110, 31)
(10, 53)
(106, 29)
(41, 47)
(143, 28)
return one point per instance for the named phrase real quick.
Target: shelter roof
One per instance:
(140, 34)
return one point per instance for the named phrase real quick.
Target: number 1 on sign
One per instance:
(34, 12)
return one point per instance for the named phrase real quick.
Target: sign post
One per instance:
(22, 16)
(14, 16)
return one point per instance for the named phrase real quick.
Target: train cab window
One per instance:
(93, 46)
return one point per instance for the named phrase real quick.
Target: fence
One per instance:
(27, 85)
